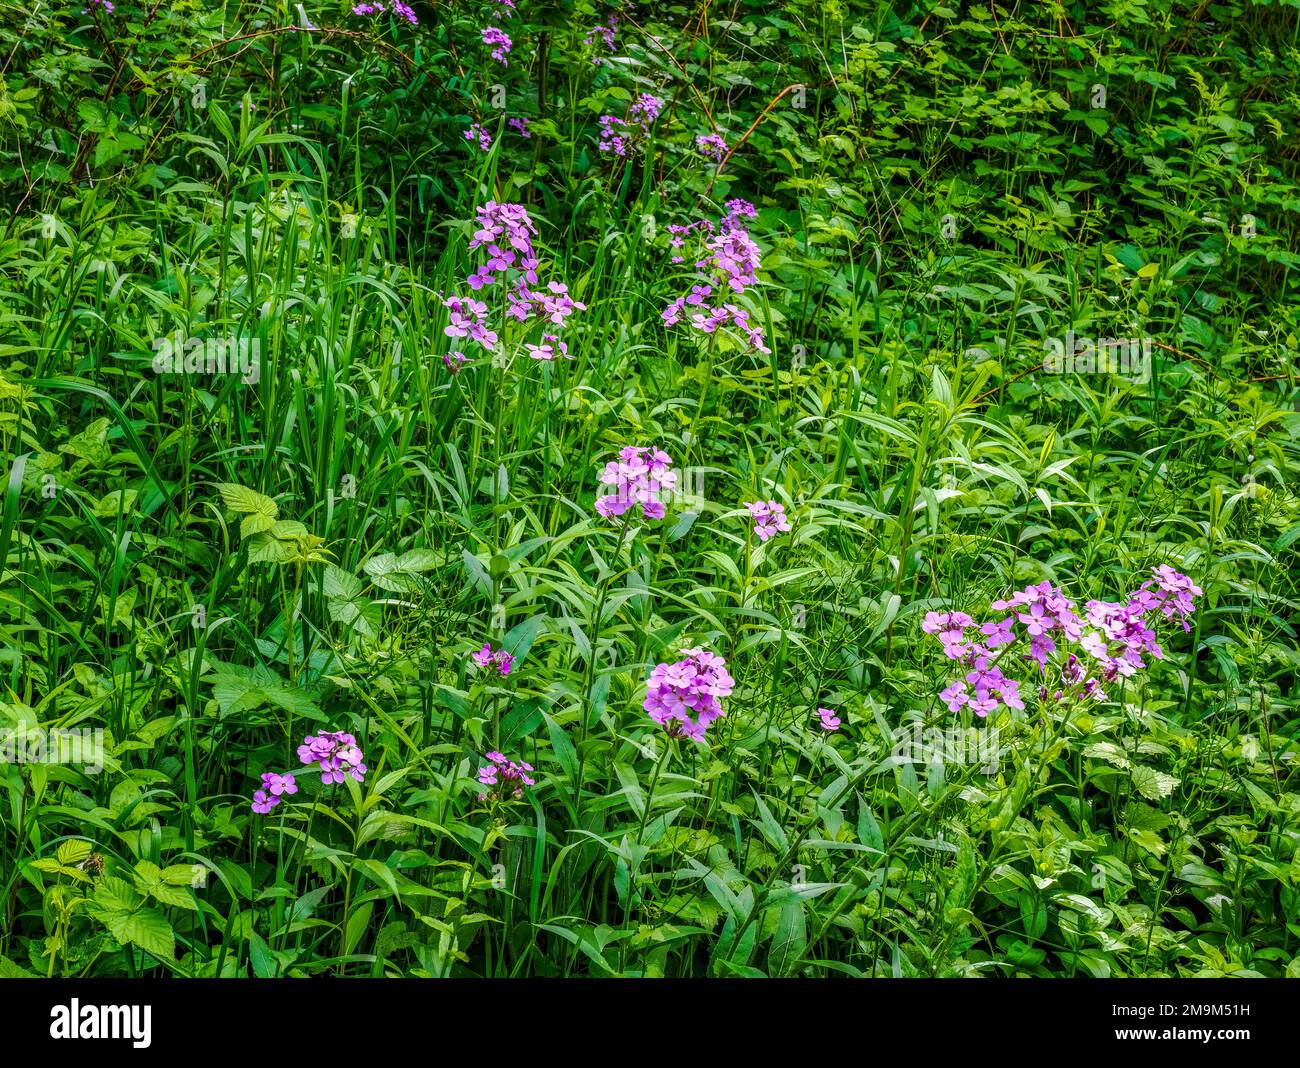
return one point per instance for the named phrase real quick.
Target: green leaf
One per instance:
(259, 954)
(242, 499)
(114, 895)
(348, 604)
(10, 970)
(522, 635)
(1152, 784)
(389, 572)
(73, 851)
(420, 560)
(791, 936)
(266, 548)
(146, 928)
(562, 748)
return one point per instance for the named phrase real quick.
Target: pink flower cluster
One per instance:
(273, 788)
(708, 321)
(711, 145)
(506, 776)
(737, 209)
(1115, 635)
(610, 139)
(476, 132)
(769, 518)
(618, 135)
(506, 232)
(686, 697)
(639, 476)
(337, 753)
(556, 305)
(1120, 636)
(500, 43)
(469, 319)
(733, 257)
(605, 34)
(376, 7)
(829, 721)
(1174, 594)
(729, 256)
(500, 659)
(521, 124)
(645, 110)
(985, 684)
(550, 347)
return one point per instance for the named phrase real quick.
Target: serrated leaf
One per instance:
(73, 851)
(112, 894)
(1152, 784)
(268, 549)
(386, 572)
(146, 928)
(255, 524)
(242, 499)
(420, 560)
(340, 583)
(288, 529)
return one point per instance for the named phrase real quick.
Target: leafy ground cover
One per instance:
(704, 488)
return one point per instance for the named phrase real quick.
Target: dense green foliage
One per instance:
(207, 567)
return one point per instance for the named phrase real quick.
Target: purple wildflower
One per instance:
(505, 776)
(499, 659)
(550, 347)
(274, 786)
(337, 753)
(476, 132)
(639, 476)
(728, 256)
(610, 140)
(557, 305)
(500, 43)
(1115, 635)
(467, 320)
(1173, 593)
(686, 697)
(769, 518)
(376, 7)
(711, 145)
(618, 135)
(603, 33)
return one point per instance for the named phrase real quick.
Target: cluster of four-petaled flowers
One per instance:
(729, 261)
(643, 476)
(335, 752)
(505, 232)
(1115, 636)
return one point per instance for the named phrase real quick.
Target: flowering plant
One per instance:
(686, 696)
(1042, 623)
(641, 476)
